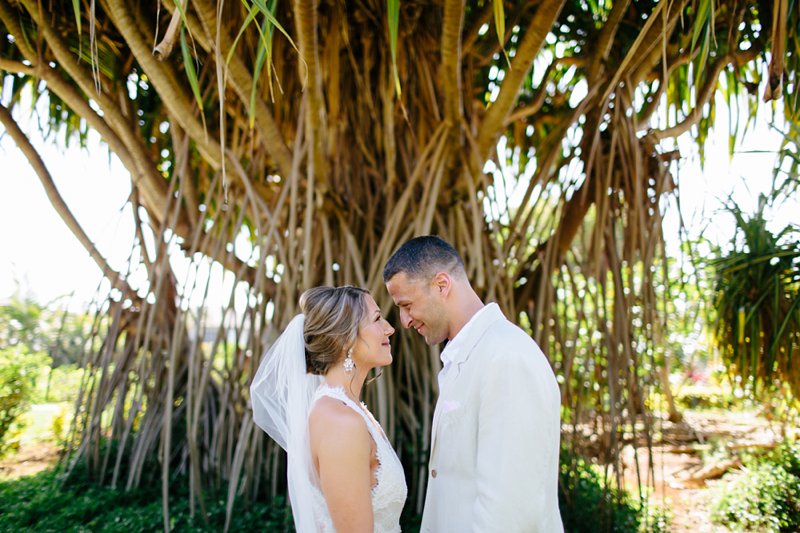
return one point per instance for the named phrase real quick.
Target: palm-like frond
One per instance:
(757, 303)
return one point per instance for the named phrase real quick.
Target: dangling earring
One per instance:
(349, 364)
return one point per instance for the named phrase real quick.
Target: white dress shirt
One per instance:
(457, 344)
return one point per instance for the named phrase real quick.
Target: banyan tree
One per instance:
(291, 144)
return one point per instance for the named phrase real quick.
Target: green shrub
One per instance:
(59, 384)
(59, 428)
(589, 504)
(41, 503)
(705, 397)
(766, 497)
(19, 370)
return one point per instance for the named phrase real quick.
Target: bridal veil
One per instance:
(282, 393)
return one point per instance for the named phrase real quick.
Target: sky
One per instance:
(40, 258)
(39, 255)
(704, 189)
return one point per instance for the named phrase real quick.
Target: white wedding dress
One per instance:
(389, 493)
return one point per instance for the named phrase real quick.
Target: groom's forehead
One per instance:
(401, 286)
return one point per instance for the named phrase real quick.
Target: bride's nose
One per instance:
(390, 330)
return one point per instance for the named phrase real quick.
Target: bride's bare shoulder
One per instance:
(331, 416)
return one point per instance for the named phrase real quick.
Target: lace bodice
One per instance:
(389, 493)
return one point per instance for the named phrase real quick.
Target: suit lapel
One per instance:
(448, 380)
(436, 416)
(446, 385)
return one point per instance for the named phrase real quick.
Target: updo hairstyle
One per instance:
(332, 317)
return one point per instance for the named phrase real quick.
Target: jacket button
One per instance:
(433, 473)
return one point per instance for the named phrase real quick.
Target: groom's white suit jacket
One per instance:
(496, 429)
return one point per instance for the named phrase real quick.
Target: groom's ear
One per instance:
(442, 283)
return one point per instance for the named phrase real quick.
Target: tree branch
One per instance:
(606, 39)
(11, 22)
(58, 202)
(647, 111)
(16, 67)
(164, 48)
(174, 100)
(306, 23)
(529, 48)
(451, 60)
(705, 94)
(538, 99)
(78, 102)
(471, 33)
(139, 162)
(774, 88)
(242, 82)
(650, 47)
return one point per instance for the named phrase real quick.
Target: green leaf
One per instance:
(702, 20)
(251, 14)
(792, 315)
(267, 11)
(191, 73)
(264, 55)
(740, 325)
(499, 20)
(500, 26)
(700, 64)
(393, 20)
(76, 7)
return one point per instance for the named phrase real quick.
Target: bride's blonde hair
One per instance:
(332, 318)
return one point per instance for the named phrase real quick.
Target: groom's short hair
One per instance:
(422, 257)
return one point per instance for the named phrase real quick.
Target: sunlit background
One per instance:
(41, 259)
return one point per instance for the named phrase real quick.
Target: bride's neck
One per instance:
(352, 382)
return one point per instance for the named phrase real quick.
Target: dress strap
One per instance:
(338, 393)
(335, 392)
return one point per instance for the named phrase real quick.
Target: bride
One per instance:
(343, 473)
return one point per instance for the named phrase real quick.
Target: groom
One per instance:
(496, 427)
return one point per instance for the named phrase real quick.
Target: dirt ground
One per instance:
(30, 459)
(691, 459)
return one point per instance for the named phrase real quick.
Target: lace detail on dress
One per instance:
(389, 492)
